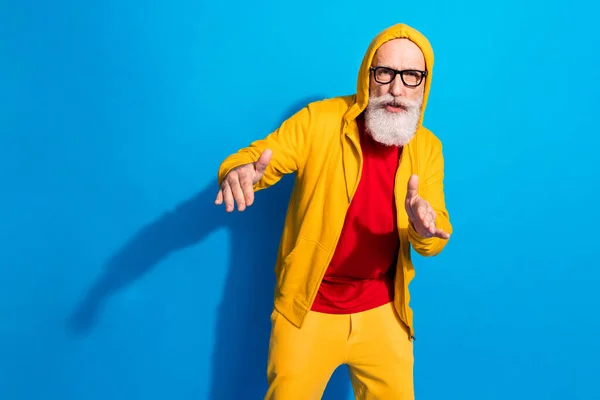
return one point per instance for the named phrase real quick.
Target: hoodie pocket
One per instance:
(302, 270)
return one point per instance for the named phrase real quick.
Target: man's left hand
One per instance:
(420, 212)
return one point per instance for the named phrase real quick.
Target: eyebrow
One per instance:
(398, 69)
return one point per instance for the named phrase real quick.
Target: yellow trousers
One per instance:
(374, 344)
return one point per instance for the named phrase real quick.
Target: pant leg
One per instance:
(380, 356)
(301, 361)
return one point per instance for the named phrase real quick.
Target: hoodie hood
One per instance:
(398, 31)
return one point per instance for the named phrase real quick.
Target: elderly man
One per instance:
(369, 185)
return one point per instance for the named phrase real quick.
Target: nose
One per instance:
(397, 86)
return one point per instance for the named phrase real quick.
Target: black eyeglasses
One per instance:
(410, 77)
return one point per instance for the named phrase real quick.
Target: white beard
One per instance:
(392, 129)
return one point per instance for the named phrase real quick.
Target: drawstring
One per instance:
(344, 169)
(414, 158)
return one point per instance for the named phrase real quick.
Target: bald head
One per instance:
(398, 54)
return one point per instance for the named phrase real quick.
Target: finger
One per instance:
(247, 189)
(425, 233)
(422, 212)
(413, 187)
(410, 211)
(428, 222)
(261, 165)
(425, 210)
(441, 234)
(238, 194)
(219, 199)
(430, 225)
(228, 196)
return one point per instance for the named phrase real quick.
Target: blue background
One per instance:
(120, 279)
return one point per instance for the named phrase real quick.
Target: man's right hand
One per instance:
(239, 182)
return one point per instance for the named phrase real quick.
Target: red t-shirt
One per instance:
(361, 274)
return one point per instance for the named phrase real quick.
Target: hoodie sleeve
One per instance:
(432, 190)
(289, 145)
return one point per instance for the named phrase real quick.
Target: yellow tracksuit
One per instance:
(320, 143)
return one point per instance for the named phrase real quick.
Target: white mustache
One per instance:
(388, 99)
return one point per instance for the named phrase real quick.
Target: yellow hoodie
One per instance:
(320, 143)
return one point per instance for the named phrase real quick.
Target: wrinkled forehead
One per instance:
(399, 54)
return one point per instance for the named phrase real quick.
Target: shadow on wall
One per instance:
(243, 326)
